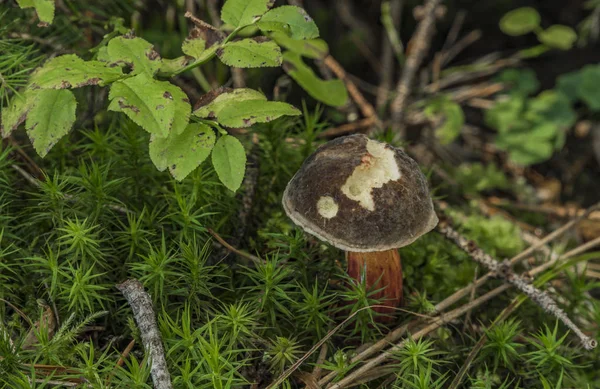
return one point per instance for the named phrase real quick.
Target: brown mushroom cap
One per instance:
(360, 195)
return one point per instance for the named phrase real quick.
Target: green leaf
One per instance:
(135, 52)
(43, 8)
(170, 66)
(523, 81)
(311, 48)
(250, 53)
(159, 107)
(505, 114)
(246, 113)
(290, 20)
(520, 21)
(50, 118)
(70, 71)
(182, 153)
(454, 118)
(568, 84)
(330, 92)
(240, 13)
(211, 104)
(229, 160)
(551, 106)
(193, 47)
(588, 90)
(558, 36)
(15, 114)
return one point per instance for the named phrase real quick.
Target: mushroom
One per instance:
(368, 199)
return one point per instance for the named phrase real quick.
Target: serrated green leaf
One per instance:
(558, 36)
(170, 66)
(246, 113)
(588, 90)
(159, 107)
(193, 47)
(70, 71)
(43, 8)
(311, 48)
(211, 104)
(290, 20)
(520, 21)
(240, 13)
(50, 118)
(330, 92)
(15, 114)
(229, 160)
(182, 153)
(135, 52)
(250, 53)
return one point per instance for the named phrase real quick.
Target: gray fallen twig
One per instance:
(143, 313)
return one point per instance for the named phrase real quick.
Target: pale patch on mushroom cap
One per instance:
(377, 168)
(327, 207)
(393, 209)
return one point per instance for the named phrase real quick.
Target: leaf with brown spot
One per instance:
(184, 152)
(69, 70)
(214, 101)
(250, 53)
(135, 52)
(50, 118)
(157, 106)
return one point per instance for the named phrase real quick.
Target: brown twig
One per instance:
(144, 316)
(387, 59)
(365, 107)
(419, 46)
(229, 247)
(438, 322)
(357, 126)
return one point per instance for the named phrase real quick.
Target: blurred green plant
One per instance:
(527, 20)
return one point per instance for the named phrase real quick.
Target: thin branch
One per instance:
(503, 270)
(229, 247)
(419, 46)
(439, 321)
(365, 107)
(143, 313)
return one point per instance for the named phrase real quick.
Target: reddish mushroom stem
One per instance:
(382, 270)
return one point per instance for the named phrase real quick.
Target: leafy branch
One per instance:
(180, 138)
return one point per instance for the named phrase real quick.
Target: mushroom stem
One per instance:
(382, 270)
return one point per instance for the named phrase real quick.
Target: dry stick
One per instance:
(365, 107)
(419, 47)
(357, 126)
(322, 355)
(229, 247)
(455, 297)
(481, 342)
(554, 234)
(503, 270)
(439, 321)
(143, 313)
(390, 16)
(514, 304)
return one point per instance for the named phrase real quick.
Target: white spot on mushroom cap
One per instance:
(327, 207)
(379, 167)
